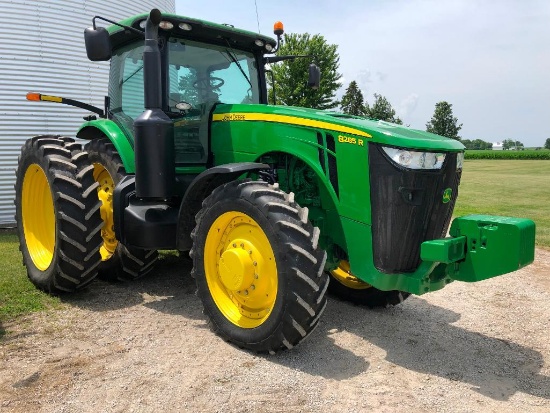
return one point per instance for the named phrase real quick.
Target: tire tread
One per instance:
(76, 252)
(304, 299)
(127, 263)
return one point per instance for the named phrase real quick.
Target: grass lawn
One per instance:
(17, 294)
(517, 188)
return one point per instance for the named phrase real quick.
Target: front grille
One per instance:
(407, 209)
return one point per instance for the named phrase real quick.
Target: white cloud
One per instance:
(364, 77)
(407, 105)
(381, 76)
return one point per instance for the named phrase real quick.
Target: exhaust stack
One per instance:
(153, 130)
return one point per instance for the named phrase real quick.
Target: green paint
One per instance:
(382, 132)
(445, 250)
(495, 245)
(447, 195)
(111, 130)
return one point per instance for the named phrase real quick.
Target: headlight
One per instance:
(459, 160)
(414, 159)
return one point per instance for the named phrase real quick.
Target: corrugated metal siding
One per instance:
(42, 50)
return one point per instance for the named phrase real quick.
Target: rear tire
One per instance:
(347, 287)
(57, 214)
(118, 262)
(258, 266)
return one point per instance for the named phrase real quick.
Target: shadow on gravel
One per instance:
(318, 355)
(169, 289)
(419, 336)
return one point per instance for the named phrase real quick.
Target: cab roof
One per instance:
(201, 30)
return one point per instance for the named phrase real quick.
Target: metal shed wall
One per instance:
(42, 50)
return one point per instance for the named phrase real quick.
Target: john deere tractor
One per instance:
(275, 205)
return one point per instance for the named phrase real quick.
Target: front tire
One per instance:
(347, 287)
(258, 266)
(118, 262)
(57, 214)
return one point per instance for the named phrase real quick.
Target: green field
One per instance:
(519, 188)
(532, 154)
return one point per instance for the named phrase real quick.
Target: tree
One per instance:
(291, 75)
(519, 145)
(381, 109)
(352, 101)
(187, 93)
(511, 144)
(443, 122)
(507, 144)
(476, 144)
(467, 143)
(547, 144)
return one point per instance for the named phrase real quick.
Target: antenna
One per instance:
(257, 17)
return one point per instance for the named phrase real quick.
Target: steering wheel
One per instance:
(208, 83)
(184, 106)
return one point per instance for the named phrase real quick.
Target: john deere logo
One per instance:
(447, 195)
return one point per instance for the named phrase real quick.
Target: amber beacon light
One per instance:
(278, 29)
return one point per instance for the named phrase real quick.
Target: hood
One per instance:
(377, 131)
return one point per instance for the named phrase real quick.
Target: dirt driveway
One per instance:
(146, 347)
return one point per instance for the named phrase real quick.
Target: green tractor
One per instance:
(275, 205)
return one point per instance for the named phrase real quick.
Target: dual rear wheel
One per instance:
(64, 215)
(57, 214)
(118, 262)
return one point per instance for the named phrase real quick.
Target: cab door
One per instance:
(201, 75)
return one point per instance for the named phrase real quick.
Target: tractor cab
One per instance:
(201, 64)
(195, 77)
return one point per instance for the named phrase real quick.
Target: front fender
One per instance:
(105, 127)
(200, 188)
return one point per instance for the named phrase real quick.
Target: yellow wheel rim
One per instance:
(105, 194)
(240, 269)
(38, 215)
(344, 276)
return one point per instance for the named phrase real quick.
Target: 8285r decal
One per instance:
(348, 139)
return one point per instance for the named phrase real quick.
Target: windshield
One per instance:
(198, 73)
(202, 74)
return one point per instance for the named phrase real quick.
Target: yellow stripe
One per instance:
(292, 120)
(51, 98)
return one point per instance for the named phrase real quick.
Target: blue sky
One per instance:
(489, 58)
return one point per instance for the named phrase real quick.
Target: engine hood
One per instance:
(372, 130)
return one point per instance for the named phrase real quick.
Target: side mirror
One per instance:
(314, 79)
(98, 44)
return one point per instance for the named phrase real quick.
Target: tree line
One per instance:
(290, 88)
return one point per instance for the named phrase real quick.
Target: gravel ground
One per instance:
(146, 347)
